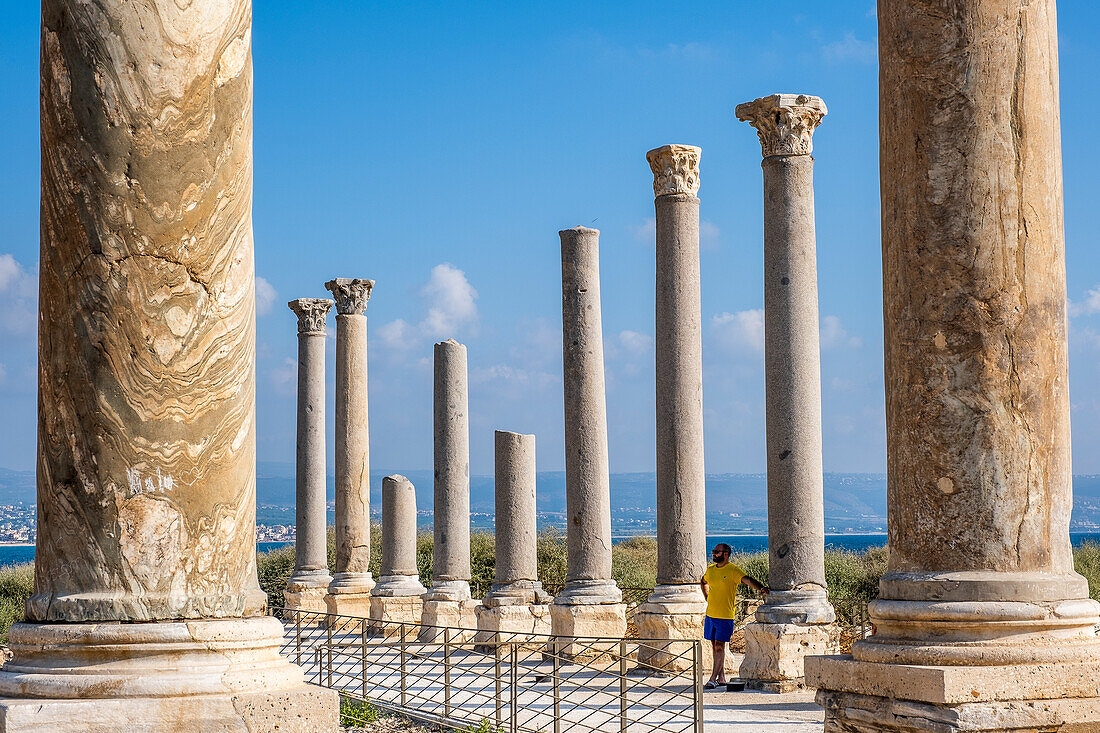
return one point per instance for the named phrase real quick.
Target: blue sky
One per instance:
(438, 148)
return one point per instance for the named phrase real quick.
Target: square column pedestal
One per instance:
(674, 614)
(512, 622)
(860, 697)
(775, 653)
(391, 610)
(307, 594)
(349, 595)
(207, 675)
(438, 614)
(578, 628)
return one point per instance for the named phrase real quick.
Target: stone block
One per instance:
(437, 615)
(657, 622)
(348, 604)
(512, 622)
(390, 610)
(306, 599)
(775, 653)
(580, 628)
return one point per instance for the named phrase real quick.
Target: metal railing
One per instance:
(515, 682)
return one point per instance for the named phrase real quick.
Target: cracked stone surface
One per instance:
(147, 339)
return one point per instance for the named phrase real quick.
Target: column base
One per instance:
(452, 614)
(513, 623)
(224, 675)
(348, 604)
(305, 591)
(671, 612)
(775, 653)
(578, 629)
(860, 697)
(395, 610)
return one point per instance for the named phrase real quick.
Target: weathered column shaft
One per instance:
(398, 575)
(352, 447)
(792, 366)
(146, 391)
(587, 480)
(310, 551)
(451, 548)
(681, 476)
(516, 524)
(146, 448)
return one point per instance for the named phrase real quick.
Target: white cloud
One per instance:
(18, 298)
(510, 374)
(284, 374)
(397, 334)
(834, 334)
(265, 296)
(635, 343)
(709, 234)
(1089, 307)
(646, 231)
(850, 48)
(741, 331)
(451, 302)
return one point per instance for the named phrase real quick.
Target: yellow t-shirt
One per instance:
(722, 585)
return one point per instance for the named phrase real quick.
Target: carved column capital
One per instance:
(311, 313)
(351, 294)
(785, 123)
(675, 169)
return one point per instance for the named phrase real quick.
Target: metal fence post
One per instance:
(557, 695)
(496, 676)
(363, 652)
(401, 643)
(297, 638)
(622, 686)
(446, 673)
(697, 683)
(513, 723)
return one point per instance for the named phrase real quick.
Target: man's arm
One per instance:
(705, 587)
(755, 584)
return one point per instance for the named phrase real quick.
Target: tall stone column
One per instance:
(308, 584)
(517, 603)
(676, 607)
(147, 612)
(396, 597)
(794, 620)
(448, 601)
(591, 604)
(981, 622)
(349, 591)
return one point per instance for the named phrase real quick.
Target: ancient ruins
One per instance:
(147, 612)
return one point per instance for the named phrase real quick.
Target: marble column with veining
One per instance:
(785, 124)
(348, 593)
(591, 603)
(146, 549)
(309, 581)
(980, 584)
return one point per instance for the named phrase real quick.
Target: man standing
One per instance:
(719, 584)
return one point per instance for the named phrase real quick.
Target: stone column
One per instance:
(981, 622)
(517, 603)
(396, 597)
(147, 612)
(795, 619)
(349, 591)
(308, 584)
(676, 607)
(448, 602)
(591, 604)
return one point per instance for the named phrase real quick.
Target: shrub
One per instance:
(634, 562)
(16, 586)
(1086, 561)
(356, 713)
(552, 562)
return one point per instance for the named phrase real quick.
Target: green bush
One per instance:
(356, 713)
(1086, 561)
(634, 562)
(551, 551)
(16, 586)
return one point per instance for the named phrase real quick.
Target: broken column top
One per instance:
(311, 313)
(785, 123)
(675, 169)
(351, 294)
(580, 230)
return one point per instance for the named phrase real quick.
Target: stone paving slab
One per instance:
(745, 712)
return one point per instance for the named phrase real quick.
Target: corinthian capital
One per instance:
(311, 313)
(675, 169)
(785, 123)
(351, 294)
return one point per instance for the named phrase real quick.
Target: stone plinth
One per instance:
(449, 614)
(306, 598)
(676, 613)
(196, 675)
(775, 653)
(347, 603)
(395, 610)
(512, 621)
(569, 623)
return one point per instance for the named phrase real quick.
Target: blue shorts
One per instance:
(717, 629)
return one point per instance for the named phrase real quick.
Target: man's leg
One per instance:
(718, 675)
